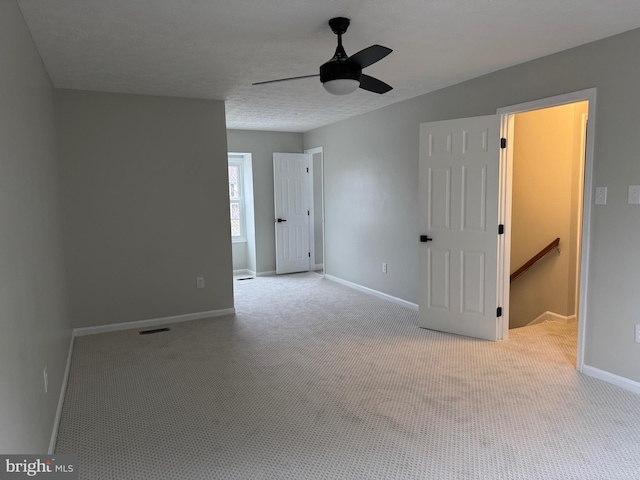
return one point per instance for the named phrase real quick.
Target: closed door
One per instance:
(291, 197)
(459, 169)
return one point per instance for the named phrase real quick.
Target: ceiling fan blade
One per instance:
(286, 79)
(374, 85)
(369, 55)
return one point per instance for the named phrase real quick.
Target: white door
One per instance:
(459, 170)
(290, 186)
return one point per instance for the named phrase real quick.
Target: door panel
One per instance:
(474, 184)
(472, 282)
(459, 168)
(291, 208)
(439, 270)
(440, 198)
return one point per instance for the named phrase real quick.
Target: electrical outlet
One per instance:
(384, 267)
(46, 380)
(200, 282)
(637, 333)
(634, 195)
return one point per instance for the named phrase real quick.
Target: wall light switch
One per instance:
(634, 195)
(200, 282)
(601, 195)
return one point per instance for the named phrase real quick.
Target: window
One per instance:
(236, 200)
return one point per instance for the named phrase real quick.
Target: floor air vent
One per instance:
(157, 330)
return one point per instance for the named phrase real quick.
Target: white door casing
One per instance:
(291, 206)
(458, 178)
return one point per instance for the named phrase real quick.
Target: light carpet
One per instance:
(313, 380)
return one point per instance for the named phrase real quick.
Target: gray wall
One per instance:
(371, 184)
(35, 330)
(261, 146)
(239, 250)
(146, 206)
(371, 198)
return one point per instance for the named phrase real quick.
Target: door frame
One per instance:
(504, 205)
(312, 239)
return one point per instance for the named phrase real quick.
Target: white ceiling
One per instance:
(215, 49)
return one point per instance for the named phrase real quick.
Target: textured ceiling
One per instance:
(215, 49)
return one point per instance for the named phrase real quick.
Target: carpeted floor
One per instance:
(313, 380)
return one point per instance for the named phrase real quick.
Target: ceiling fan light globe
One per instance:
(341, 86)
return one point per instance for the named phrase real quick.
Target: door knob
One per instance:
(424, 238)
(281, 220)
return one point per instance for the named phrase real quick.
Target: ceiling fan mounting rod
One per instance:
(339, 26)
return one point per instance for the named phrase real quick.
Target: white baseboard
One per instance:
(266, 274)
(370, 291)
(78, 332)
(63, 392)
(612, 378)
(553, 317)
(244, 273)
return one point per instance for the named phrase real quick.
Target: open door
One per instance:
(291, 206)
(458, 254)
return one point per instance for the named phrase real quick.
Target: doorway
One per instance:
(466, 185)
(548, 166)
(316, 207)
(544, 198)
(299, 211)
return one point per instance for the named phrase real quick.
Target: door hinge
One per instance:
(307, 169)
(309, 254)
(499, 312)
(308, 212)
(501, 229)
(503, 143)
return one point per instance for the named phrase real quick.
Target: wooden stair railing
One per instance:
(535, 259)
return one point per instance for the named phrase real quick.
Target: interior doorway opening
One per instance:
(548, 166)
(548, 172)
(546, 182)
(316, 206)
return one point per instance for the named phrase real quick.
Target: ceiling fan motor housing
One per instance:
(334, 70)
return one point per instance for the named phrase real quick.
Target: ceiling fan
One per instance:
(343, 74)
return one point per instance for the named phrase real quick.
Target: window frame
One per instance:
(239, 163)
